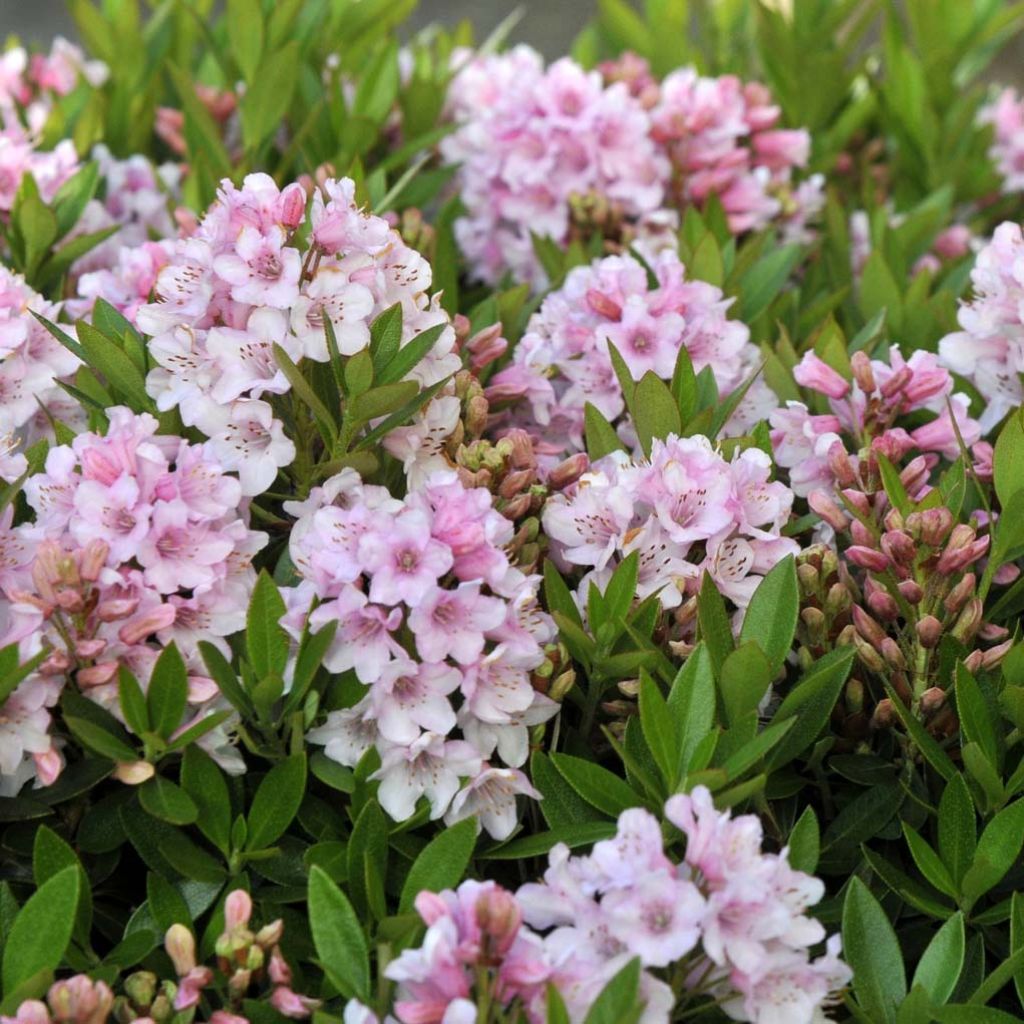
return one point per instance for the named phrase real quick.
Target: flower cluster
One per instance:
(865, 413)
(32, 362)
(1006, 116)
(247, 961)
(563, 361)
(529, 141)
(989, 351)
(722, 138)
(244, 281)
(730, 921)
(137, 541)
(685, 511)
(29, 87)
(441, 631)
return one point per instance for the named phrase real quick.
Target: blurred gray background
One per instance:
(550, 25)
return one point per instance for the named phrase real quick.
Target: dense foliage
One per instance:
(487, 540)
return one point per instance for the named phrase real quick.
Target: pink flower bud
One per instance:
(94, 558)
(929, 631)
(237, 910)
(603, 305)
(116, 609)
(181, 948)
(486, 346)
(290, 1004)
(152, 622)
(499, 916)
(868, 558)
(821, 504)
(885, 714)
(292, 205)
(190, 987)
(911, 591)
(568, 471)
(867, 626)
(859, 500)
(279, 971)
(814, 373)
(223, 1017)
(899, 546)
(861, 534)
(89, 649)
(932, 699)
(97, 675)
(841, 466)
(862, 372)
(883, 605)
(890, 650)
(49, 765)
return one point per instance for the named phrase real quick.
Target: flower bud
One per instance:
(562, 685)
(603, 305)
(292, 205)
(894, 519)
(270, 934)
(867, 627)
(883, 605)
(911, 591)
(968, 620)
(475, 419)
(116, 609)
(822, 504)
(994, 655)
(515, 482)
(960, 593)
(862, 535)
(499, 918)
(568, 471)
(814, 620)
(890, 650)
(140, 987)
(868, 558)
(853, 696)
(929, 631)
(932, 699)
(884, 715)
(869, 657)
(94, 558)
(237, 910)
(841, 466)
(915, 474)
(133, 773)
(516, 507)
(973, 662)
(807, 574)
(97, 675)
(899, 546)
(931, 526)
(860, 363)
(837, 600)
(859, 500)
(152, 622)
(181, 948)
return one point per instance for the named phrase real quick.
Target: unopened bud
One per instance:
(279, 971)
(181, 948)
(562, 685)
(475, 419)
(932, 699)
(138, 629)
(890, 650)
(911, 591)
(931, 526)
(841, 466)
(869, 657)
(517, 507)
(837, 600)
(807, 574)
(885, 714)
(814, 620)
(270, 934)
(515, 482)
(929, 631)
(140, 987)
(116, 609)
(973, 662)
(915, 474)
(894, 519)
(860, 363)
(89, 649)
(237, 910)
(568, 471)
(604, 305)
(862, 535)
(868, 558)
(854, 696)
(97, 675)
(292, 205)
(956, 598)
(899, 546)
(822, 504)
(994, 655)
(968, 620)
(133, 773)
(883, 605)
(499, 918)
(94, 558)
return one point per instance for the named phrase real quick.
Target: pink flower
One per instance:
(407, 698)
(262, 271)
(453, 623)
(363, 639)
(404, 563)
(811, 372)
(179, 553)
(490, 797)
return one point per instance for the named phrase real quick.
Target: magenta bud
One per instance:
(237, 910)
(897, 382)
(841, 466)
(822, 504)
(911, 591)
(890, 650)
(603, 305)
(868, 558)
(499, 916)
(181, 948)
(933, 699)
(859, 500)
(568, 471)
(89, 649)
(883, 605)
(94, 558)
(867, 626)
(929, 631)
(116, 609)
(862, 535)
(862, 372)
(899, 546)
(292, 205)
(97, 675)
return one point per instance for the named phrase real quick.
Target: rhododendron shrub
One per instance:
(498, 540)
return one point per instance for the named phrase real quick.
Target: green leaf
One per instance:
(600, 434)
(998, 848)
(654, 410)
(713, 623)
(325, 421)
(166, 905)
(939, 968)
(764, 280)
(811, 700)
(337, 937)
(975, 720)
(691, 702)
(245, 34)
(168, 691)
(871, 949)
(265, 639)
(204, 782)
(442, 863)
(1017, 938)
(805, 842)
(966, 1014)
(117, 368)
(269, 95)
(618, 1002)
(409, 356)
(132, 701)
(1008, 460)
(276, 801)
(658, 728)
(743, 680)
(598, 786)
(957, 829)
(770, 619)
(929, 863)
(168, 802)
(562, 806)
(42, 930)
(387, 398)
(893, 485)
(99, 740)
